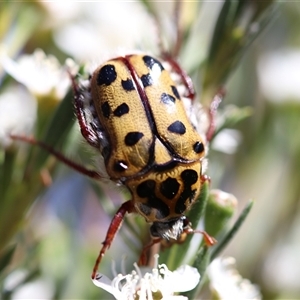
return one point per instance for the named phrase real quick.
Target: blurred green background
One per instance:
(259, 158)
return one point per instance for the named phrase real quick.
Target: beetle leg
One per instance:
(87, 129)
(212, 114)
(143, 256)
(114, 226)
(209, 240)
(79, 168)
(185, 78)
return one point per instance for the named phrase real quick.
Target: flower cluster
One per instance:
(158, 283)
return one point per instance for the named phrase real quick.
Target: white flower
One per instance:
(41, 74)
(227, 141)
(17, 113)
(160, 283)
(18, 285)
(278, 74)
(227, 283)
(95, 30)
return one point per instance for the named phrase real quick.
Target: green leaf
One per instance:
(231, 233)
(6, 256)
(7, 162)
(57, 129)
(201, 262)
(238, 25)
(221, 206)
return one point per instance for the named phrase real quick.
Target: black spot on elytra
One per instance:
(106, 75)
(175, 91)
(146, 189)
(198, 147)
(150, 62)
(132, 138)
(105, 107)
(128, 85)
(189, 177)
(121, 110)
(146, 80)
(167, 99)
(120, 166)
(177, 127)
(169, 188)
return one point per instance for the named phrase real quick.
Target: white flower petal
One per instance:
(105, 283)
(278, 74)
(228, 283)
(17, 113)
(183, 279)
(41, 74)
(141, 285)
(86, 38)
(227, 141)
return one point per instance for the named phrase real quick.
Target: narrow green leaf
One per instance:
(231, 38)
(230, 234)
(201, 262)
(6, 172)
(5, 257)
(58, 128)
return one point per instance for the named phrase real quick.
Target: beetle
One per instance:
(132, 112)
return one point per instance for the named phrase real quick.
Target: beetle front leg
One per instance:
(114, 226)
(86, 128)
(143, 257)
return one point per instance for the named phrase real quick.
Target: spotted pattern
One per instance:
(189, 178)
(167, 99)
(146, 80)
(177, 127)
(150, 62)
(132, 138)
(169, 188)
(146, 189)
(128, 85)
(106, 109)
(107, 75)
(121, 110)
(175, 91)
(198, 147)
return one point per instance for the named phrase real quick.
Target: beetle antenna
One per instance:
(79, 168)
